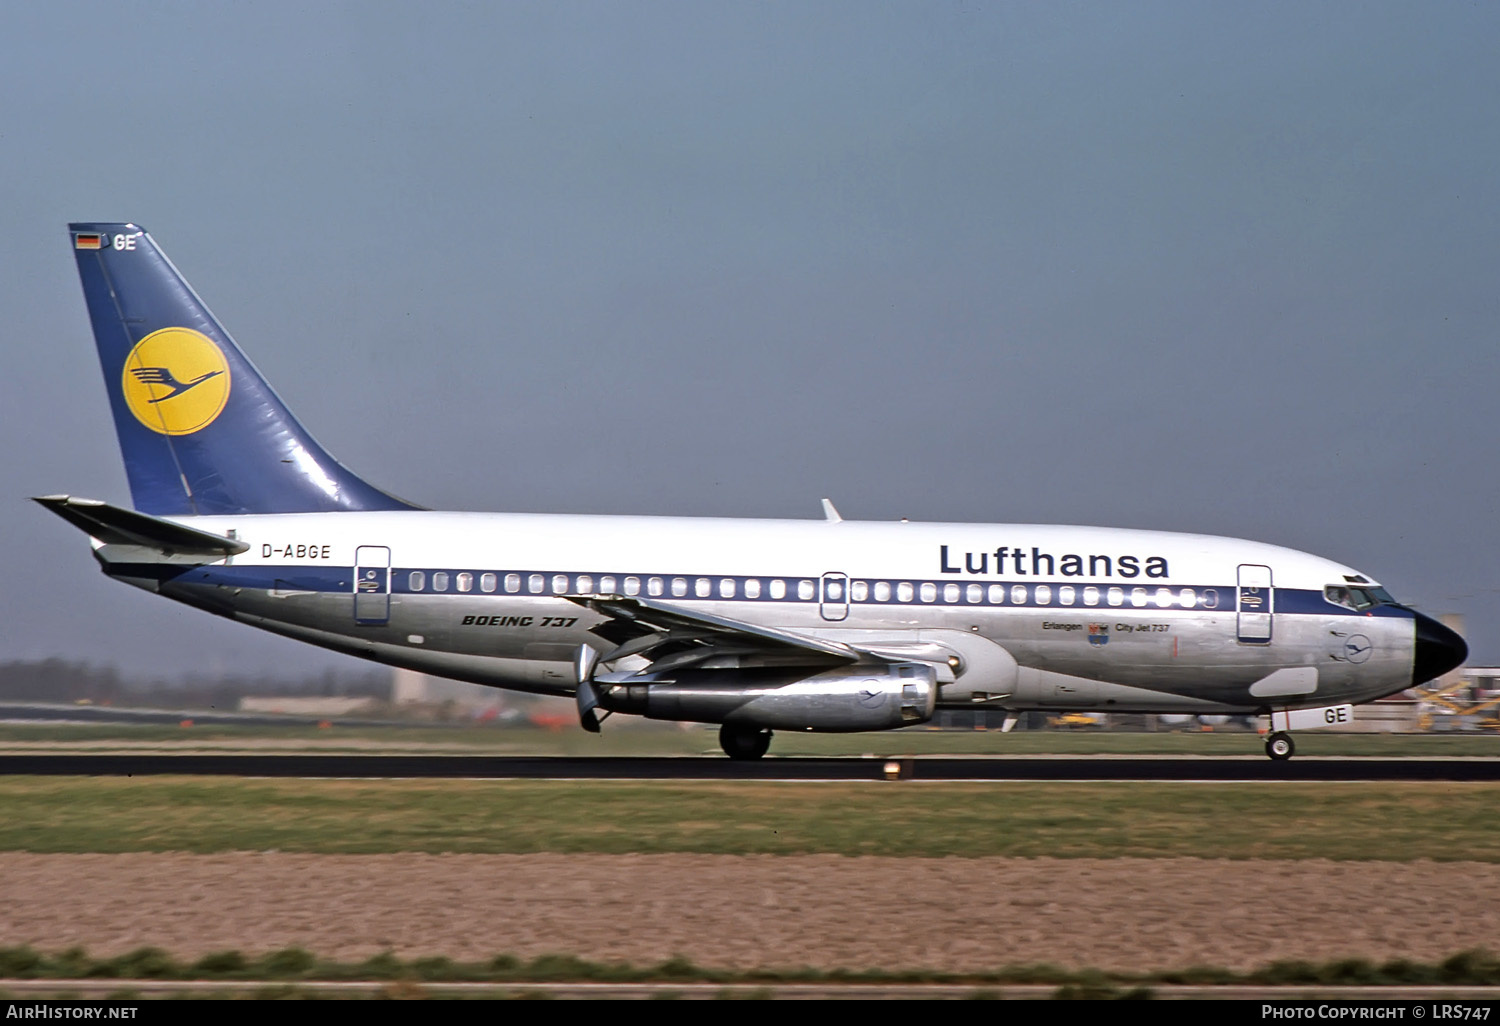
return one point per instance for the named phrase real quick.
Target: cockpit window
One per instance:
(1358, 599)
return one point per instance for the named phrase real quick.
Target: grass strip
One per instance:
(1475, 967)
(1344, 821)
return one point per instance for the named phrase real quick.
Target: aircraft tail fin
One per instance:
(200, 430)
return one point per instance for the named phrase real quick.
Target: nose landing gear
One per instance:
(1279, 746)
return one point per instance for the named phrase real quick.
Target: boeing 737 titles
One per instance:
(756, 625)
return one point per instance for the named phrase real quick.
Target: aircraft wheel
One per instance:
(744, 743)
(1279, 746)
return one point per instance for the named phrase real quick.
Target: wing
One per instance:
(672, 638)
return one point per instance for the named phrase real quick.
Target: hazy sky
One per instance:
(1219, 268)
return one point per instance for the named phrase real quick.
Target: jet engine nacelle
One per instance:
(847, 699)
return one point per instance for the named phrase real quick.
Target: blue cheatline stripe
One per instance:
(799, 590)
(1307, 600)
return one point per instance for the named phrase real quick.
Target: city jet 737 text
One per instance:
(755, 625)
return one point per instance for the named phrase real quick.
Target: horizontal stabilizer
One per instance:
(115, 526)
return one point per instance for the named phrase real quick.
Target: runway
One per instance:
(1250, 768)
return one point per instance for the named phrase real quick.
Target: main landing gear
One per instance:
(744, 743)
(1279, 746)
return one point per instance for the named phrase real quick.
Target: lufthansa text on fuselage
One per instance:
(1017, 561)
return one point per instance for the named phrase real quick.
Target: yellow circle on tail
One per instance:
(176, 381)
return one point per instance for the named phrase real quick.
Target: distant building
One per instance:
(408, 687)
(324, 707)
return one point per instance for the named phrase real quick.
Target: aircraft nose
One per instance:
(1438, 650)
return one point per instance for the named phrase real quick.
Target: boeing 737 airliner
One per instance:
(756, 625)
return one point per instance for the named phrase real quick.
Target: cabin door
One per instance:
(372, 584)
(1255, 604)
(833, 596)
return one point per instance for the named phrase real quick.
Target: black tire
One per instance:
(744, 744)
(1280, 746)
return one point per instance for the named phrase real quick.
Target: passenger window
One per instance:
(950, 593)
(487, 582)
(1138, 597)
(440, 581)
(928, 591)
(778, 589)
(465, 582)
(974, 593)
(997, 594)
(703, 587)
(559, 584)
(679, 586)
(1164, 597)
(882, 591)
(1091, 596)
(805, 590)
(1065, 594)
(726, 587)
(752, 588)
(904, 591)
(859, 591)
(1018, 594)
(1044, 594)
(632, 585)
(1116, 596)
(607, 585)
(585, 583)
(654, 586)
(535, 583)
(512, 583)
(833, 591)
(1188, 598)
(416, 580)
(1210, 598)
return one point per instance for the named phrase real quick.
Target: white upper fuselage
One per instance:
(770, 548)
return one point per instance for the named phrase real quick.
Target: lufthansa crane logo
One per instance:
(1357, 648)
(176, 381)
